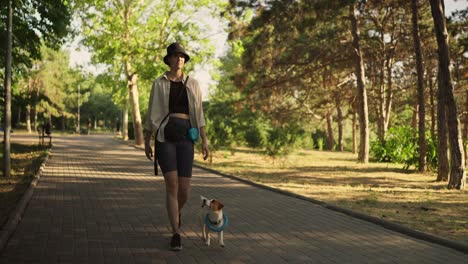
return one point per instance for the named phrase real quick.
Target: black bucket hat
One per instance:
(175, 48)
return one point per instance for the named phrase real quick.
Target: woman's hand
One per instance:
(148, 149)
(205, 150)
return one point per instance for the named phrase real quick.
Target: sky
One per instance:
(80, 56)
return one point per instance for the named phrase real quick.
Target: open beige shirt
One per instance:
(159, 105)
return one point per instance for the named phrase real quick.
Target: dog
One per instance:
(212, 212)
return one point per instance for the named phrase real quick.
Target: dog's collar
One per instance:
(213, 228)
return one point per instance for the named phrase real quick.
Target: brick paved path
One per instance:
(98, 202)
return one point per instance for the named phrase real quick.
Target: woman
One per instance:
(176, 99)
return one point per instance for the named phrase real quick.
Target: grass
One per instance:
(382, 190)
(25, 161)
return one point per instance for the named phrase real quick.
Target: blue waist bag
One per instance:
(193, 134)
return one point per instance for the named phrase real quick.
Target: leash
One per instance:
(214, 228)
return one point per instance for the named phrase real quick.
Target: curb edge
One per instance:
(459, 246)
(15, 217)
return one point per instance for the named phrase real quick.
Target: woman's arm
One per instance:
(205, 149)
(148, 126)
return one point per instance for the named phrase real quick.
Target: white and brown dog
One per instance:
(212, 219)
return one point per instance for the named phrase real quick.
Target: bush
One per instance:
(319, 137)
(401, 146)
(220, 133)
(304, 141)
(320, 143)
(281, 139)
(255, 135)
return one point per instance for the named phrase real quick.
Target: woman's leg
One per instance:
(183, 192)
(172, 204)
(184, 167)
(185, 152)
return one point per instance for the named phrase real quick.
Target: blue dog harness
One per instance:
(213, 228)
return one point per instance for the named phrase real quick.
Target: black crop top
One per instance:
(178, 103)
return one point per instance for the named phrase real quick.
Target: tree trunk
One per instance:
(28, 106)
(414, 118)
(132, 78)
(421, 100)
(35, 118)
(442, 145)
(457, 159)
(354, 132)
(389, 101)
(339, 146)
(7, 85)
(433, 111)
(28, 118)
(360, 78)
(136, 117)
(125, 120)
(330, 138)
(465, 124)
(36, 96)
(381, 107)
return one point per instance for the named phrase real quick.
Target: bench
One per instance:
(44, 131)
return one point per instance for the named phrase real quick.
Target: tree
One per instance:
(7, 115)
(36, 22)
(421, 101)
(49, 89)
(292, 71)
(383, 23)
(457, 25)
(100, 108)
(131, 36)
(362, 96)
(457, 160)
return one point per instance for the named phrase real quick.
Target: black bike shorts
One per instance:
(176, 156)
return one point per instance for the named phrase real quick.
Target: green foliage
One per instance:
(100, 107)
(221, 130)
(132, 37)
(256, 134)
(401, 146)
(320, 143)
(227, 121)
(431, 153)
(319, 137)
(281, 139)
(54, 90)
(35, 22)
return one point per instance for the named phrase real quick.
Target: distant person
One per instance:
(175, 107)
(48, 128)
